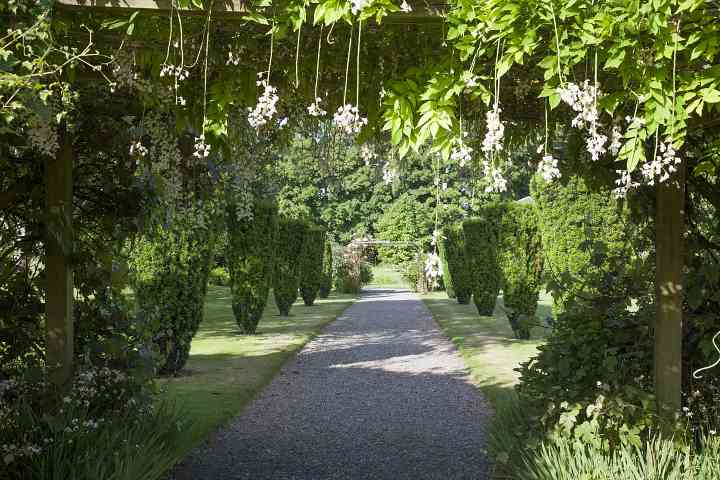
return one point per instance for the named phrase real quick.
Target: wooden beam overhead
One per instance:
(423, 12)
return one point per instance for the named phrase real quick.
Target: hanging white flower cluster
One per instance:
(358, 5)
(233, 58)
(405, 7)
(461, 153)
(348, 119)
(615, 141)
(548, 168)
(432, 268)
(388, 174)
(497, 182)
(137, 148)
(202, 149)
(435, 237)
(266, 107)
(176, 71)
(43, 136)
(584, 102)
(624, 183)
(367, 154)
(315, 109)
(663, 165)
(492, 143)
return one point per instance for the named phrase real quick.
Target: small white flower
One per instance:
(358, 5)
(348, 119)
(624, 184)
(548, 168)
(492, 142)
(266, 107)
(315, 108)
(137, 148)
(405, 7)
(202, 149)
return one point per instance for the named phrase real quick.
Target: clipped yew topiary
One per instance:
(250, 254)
(327, 271)
(311, 263)
(286, 278)
(521, 260)
(170, 269)
(481, 241)
(456, 269)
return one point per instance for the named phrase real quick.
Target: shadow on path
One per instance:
(380, 394)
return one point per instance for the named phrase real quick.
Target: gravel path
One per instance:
(380, 394)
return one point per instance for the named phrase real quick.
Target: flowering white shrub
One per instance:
(348, 119)
(266, 107)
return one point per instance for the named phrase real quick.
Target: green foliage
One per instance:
(312, 263)
(251, 248)
(219, 276)
(457, 271)
(108, 426)
(593, 253)
(170, 269)
(286, 278)
(481, 244)
(521, 261)
(405, 220)
(351, 269)
(326, 279)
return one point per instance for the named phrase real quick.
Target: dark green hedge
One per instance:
(591, 249)
(521, 260)
(456, 269)
(311, 264)
(327, 272)
(481, 237)
(288, 247)
(446, 278)
(170, 269)
(251, 249)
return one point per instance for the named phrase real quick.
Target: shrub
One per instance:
(456, 270)
(219, 276)
(521, 263)
(286, 279)
(592, 252)
(170, 269)
(103, 424)
(251, 248)
(351, 268)
(326, 280)
(481, 241)
(311, 264)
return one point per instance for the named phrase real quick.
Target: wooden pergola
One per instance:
(669, 242)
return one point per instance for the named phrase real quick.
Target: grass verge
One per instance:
(387, 276)
(226, 370)
(487, 344)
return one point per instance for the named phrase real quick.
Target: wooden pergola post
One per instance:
(59, 274)
(670, 260)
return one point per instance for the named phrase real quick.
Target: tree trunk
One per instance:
(58, 244)
(669, 244)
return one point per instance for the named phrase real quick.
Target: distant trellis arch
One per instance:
(420, 282)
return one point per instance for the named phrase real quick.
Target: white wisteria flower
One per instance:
(492, 142)
(177, 71)
(348, 119)
(358, 5)
(233, 58)
(266, 107)
(461, 153)
(548, 168)
(137, 148)
(663, 165)
(432, 268)
(202, 149)
(624, 183)
(367, 154)
(315, 109)
(615, 141)
(583, 100)
(496, 181)
(405, 7)
(388, 174)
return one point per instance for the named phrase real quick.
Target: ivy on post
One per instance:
(59, 273)
(669, 244)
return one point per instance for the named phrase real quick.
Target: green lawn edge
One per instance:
(227, 370)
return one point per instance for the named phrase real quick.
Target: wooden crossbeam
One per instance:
(423, 12)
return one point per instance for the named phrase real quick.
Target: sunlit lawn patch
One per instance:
(226, 369)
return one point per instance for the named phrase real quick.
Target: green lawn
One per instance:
(388, 276)
(226, 370)
(487, 344)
